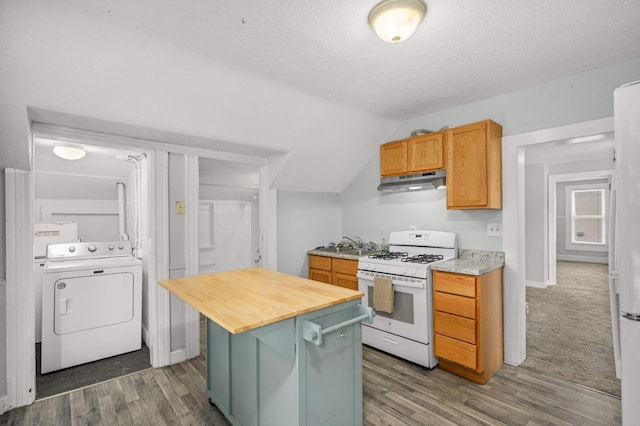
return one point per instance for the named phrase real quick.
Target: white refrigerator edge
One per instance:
(627, 255)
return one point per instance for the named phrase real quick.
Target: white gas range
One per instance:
(408, 331)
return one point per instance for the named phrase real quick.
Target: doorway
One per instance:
(566, 185)
(96, 198)
(228, 219)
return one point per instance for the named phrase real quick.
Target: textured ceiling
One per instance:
(463, 51)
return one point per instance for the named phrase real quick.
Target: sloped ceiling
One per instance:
(308, 78)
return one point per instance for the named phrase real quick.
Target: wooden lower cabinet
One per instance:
(468, 324)
(336, 271)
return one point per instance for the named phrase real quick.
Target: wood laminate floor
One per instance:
(396, 392)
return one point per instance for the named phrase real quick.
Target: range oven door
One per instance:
(410, 317)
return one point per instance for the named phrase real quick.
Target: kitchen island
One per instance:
(281, 350)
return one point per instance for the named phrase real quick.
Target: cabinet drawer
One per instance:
(463, 285)
(320, 275)
(454, 304)
(456, 351)
(455, 326)
(345, 266)
(320, 262)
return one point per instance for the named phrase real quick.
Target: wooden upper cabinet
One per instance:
(426, 152)
(393, 158)
(474, 166)
(423, 153)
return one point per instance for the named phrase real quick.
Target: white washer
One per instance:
(46, 233)
(92, 303)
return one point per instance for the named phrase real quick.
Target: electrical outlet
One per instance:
(179, 207)
(494, 229)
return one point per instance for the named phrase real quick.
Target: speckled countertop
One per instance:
(472, 262)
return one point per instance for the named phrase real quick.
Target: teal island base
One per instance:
(305, 370)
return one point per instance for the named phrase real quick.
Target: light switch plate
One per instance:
(494, 229)
(179, 207)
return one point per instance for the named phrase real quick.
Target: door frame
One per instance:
(552, 211)
(513, 218)
(20, 298)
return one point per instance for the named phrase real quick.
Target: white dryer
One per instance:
(92, 303)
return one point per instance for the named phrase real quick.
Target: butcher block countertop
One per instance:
(246, 299)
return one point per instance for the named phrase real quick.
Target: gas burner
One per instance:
(389, 256)
(423, 258)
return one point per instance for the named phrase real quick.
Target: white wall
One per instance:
(573, 99)
(3, 340)
(305, 221)
(53, 58)
(3, 293)
(3, 259)
(577, 98)
(535, 218)
(372, 215)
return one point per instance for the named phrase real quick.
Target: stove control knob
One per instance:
(413, 272)
(110, 247)
(72, 249)
(92, 248)
(373, 267)
(120, 246)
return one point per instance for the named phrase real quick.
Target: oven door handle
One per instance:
(312, 332)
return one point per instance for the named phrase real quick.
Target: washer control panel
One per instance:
(89, 250)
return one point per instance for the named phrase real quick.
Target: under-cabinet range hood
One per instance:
(415, 182)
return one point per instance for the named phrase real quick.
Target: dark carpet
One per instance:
(569, 328)
(91, 373)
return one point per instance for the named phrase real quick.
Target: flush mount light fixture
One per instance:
(67, 152)
(396, 20)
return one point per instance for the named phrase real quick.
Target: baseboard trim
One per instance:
(537, 284)
(586, 259)
(178, 356)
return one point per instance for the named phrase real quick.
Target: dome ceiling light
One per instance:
(67, 152)
(396, 20)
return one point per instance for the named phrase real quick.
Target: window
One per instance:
(587, 217)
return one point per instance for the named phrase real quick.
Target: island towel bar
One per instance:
(312, 332)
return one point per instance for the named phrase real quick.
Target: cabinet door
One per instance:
(426, 153)
(474, 166)
(467, 166)
(320, 275)
(393, 158)
(344, 280)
